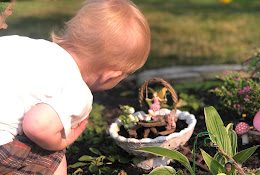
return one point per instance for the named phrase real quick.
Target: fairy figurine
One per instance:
(156, 105)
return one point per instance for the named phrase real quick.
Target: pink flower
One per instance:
(234, 72)
(238, 105)
(238, 78)
(224, 90)
(216, 88)
(246, 99)
(227, 72)
(230, 93)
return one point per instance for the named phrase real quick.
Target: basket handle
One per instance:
(161, 81)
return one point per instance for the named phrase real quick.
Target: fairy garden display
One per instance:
(157, 117)
(158, 123)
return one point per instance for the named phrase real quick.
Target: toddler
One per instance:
(45, 92)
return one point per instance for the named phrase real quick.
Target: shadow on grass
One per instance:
(190, 8)
(35, 27)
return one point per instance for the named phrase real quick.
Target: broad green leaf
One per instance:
(233, 137)
(220, 158)
(123, 160)
(214, 167)
(172, 154)
(100, 158)
(95, 151)
(165, 170)
(93, 168)
(179, 172)
(79, 170)
(86, 158)
(215, 125)
(78, 164)
(242, 156)
(105, 170)
(110, 158)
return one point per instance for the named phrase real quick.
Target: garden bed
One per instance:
(126, 93)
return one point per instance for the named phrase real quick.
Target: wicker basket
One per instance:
(144, 89)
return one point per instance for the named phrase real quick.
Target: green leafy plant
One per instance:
(95, 165)
(100, 157)
(224, 139)
(72, 149)
(253, 64)
(95, 131)
(239, 94)
(100, 163)
(189, 102)
(127, 119)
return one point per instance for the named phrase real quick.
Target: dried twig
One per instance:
(254, 132)
(8, 11)
(240, 170)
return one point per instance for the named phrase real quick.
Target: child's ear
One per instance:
(110, 74)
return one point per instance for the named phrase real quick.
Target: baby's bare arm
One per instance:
(43, 126)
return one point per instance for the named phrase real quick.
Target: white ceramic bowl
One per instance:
(171, 141)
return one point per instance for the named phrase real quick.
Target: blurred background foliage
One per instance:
(184, 32)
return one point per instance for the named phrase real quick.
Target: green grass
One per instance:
(184, 32)
(37, 19)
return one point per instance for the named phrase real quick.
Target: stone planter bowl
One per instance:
(171, 141)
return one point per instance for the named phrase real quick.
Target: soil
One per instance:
(111, 99)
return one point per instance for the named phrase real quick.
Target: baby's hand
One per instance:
(76, 132)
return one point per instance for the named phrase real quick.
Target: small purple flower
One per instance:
(224, 90)
(241, 107)
(247, 88)
(240, 92)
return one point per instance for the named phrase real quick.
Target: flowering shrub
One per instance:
(240, 93)
(253, 64)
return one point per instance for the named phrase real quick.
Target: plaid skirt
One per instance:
(24, 157)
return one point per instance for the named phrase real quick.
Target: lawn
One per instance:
(184, 32)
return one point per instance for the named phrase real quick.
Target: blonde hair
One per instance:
(110, 33)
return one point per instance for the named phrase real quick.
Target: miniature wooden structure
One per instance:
(163, 120)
